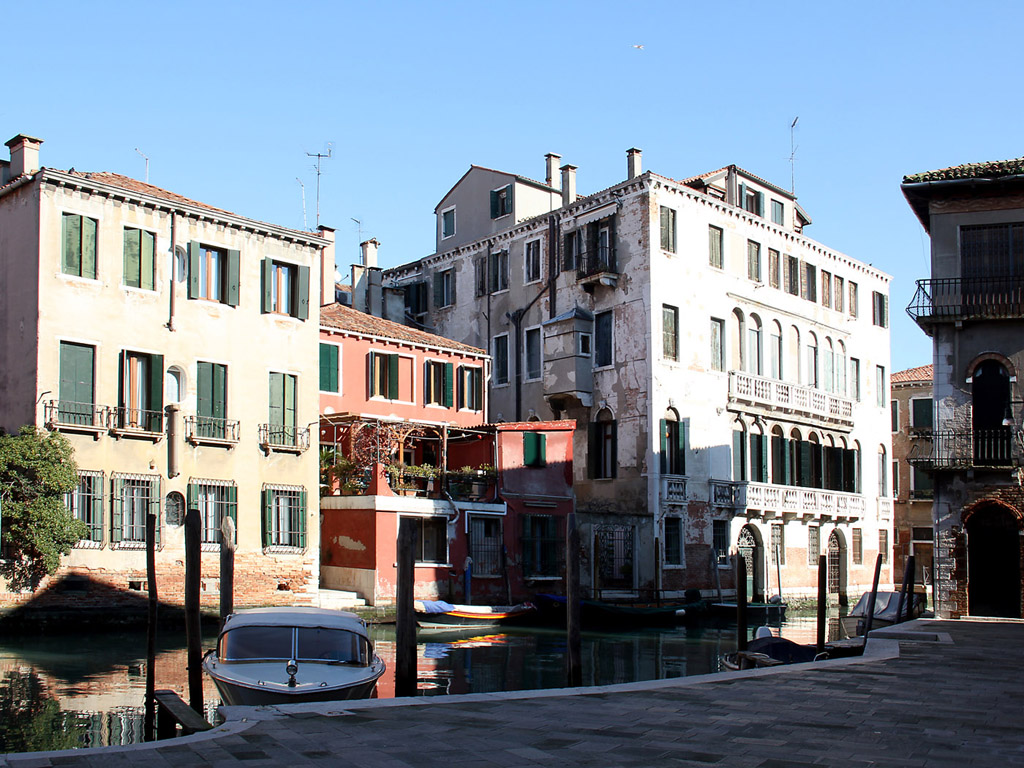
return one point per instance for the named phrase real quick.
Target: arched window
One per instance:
(793, 355)
(883, 472)
(739, 451)
(737, 353)
(673, 444)
(812, 360)
(775, 351)
(755, 353)
(780, 457)
(840, 368)
(799, 459)
(828, 372)
(758, 455)
(816, 472)
(603, 448)
(992, 417)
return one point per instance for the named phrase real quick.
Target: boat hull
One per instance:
(253, 691)
(475, 617)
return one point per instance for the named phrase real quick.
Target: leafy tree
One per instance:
(36, 470)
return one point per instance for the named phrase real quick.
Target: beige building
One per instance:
(176, 346)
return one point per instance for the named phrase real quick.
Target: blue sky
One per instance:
(226, 99)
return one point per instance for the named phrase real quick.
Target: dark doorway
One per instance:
(993, 563)
(750, 547)
(837, 568)
(991, 416)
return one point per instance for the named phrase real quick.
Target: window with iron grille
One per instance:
(284, 516)
(883, 545)
(858, 546)
(485, 545)
(720, 540)
(430, 544)
(543, 546)
(813, 545)
(133, 497)
(215, 500)
(778, 544)
(673, 541)
(85, 503)
(613, 555)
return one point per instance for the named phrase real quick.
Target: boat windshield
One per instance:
(331, 645)
(249, 643)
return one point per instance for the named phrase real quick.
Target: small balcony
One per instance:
(955, 299)
(781, 499)
(69, 416)
(135, 422)
(673, 489)
(284, 437)
(211, 431)
(998, 448)
(773, 396)
(597, 267)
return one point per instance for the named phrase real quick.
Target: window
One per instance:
(921, 413)
(826, 288)
(778, 213)
(855, 378)
(532, 258)
(920, 483)
(883, 472)
(133, 497)
(880, 386)
(543, 546)
(754, 260)
(75, 391)
(329, 367)
(212, 400)
(139, 258)
(603, 452)
(774, 266)
(669, 332)
(717, 344)
(585, 347)
(444, 288)
(438, 383)
(840, 291)
(215, 500)
(854, 311)
(792, 275)
(471, 388)
(751, 200)
(485, 545)
(857, 536)
(79, 246)
(499, 348)
(673, 541)
(213, 274)
(534, 449)
(758, 457)
(85, 503)
(715, 247)
(416, 298)
(142, 392)
(533, 362)
(895, 479)
(879, 309)
(755, 351)
(739, 455)
(499, 271)
(813, 545)
(778, 544)
(883, 545)
(447, 223)
(603, 339)
(673, 444)
(430, 544)
(285, 289)
(501, 202)
(572, 251)
(812, 362)
(384, 375)
(808, 282)
(720, 540)
(668, 229)
(284, 516)
(894, 408)
(480, 276)
(282, 419)
(775, 353)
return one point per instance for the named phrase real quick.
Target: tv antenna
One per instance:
(359, 229)
(319, 157)
(792, 157)
(146, 158)
(305, 224)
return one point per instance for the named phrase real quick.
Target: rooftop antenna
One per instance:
(305, 224)
(359, 229)
(792, 157)
(319, 156)
(146, 158)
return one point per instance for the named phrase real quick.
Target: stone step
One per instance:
(339, 598)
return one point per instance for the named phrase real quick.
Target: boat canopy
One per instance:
(296, 617)
(886, 604)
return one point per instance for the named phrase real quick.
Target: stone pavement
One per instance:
(953, 698)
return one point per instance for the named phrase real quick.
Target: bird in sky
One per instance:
(638, 47)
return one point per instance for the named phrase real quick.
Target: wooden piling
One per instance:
(149, 725)
(874, 594)
(822, 601)
(193, 628)
(741, 603)
(908, 585)
(227, 568)
(574, 660)
(405, 617)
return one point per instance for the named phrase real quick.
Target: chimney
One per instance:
(327, 267)
(552, 178)
(633, 168)
(568, 185)
(369, 249)
(24, 155)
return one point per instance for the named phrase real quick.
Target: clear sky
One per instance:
(227, 99)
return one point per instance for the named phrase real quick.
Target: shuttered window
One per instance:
(673, 447)
(383, 375)
(79, 245)
(284, 517)
(141, 395)
(715, 247)
(85, 503)
(754, 261)
(139, 258)
(501, 202)
(471, 388)
(329, 368)
(499, 348)
(282, 421)
(76, 384)
(668, 229)
(669, 332)
(438, 383)
(211, 400)
(215, 500)
(133, 497)
(534, 449)
(213, 273)
(285, 289)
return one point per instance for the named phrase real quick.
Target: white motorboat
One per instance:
(286, 655)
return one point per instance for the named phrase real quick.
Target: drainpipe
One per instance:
(554, 244)
(172, 441)
(174, 271)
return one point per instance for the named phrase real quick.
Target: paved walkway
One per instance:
(955, 698)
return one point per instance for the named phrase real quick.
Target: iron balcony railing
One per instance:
(782, 395)
(199, 428)
(598, 260)
(284, 436)
(961, 298)
(65, 413)
(968, 448)
(136, 419)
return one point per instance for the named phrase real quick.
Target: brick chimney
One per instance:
(369, 251)
(633, 167)
(24, 155)
(568, 185)
(327, 267)
(552, 167)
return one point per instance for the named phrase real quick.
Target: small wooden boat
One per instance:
(769, 652)
(286, 655)
(773, 609)
(886, 605)
(437, 614)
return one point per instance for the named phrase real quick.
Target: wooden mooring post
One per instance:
(871, 605)
(405, 617)
(574, 662)
(149, 725)
(906, 598)
(227, 568)
(193, 628)
(822, 601)
(741, 603)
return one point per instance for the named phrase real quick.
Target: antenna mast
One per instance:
(146, 158)
(319, 156)
(305, 224)
(792, 157)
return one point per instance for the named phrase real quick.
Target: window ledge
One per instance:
(271, 447)
(281, 549)
(543, 578)
(89, 544)
(137, 434)
(89, 429)
(129, 545)
(198, 440)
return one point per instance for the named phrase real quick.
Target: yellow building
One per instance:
(176, 346)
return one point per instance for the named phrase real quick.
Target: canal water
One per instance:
(87, 690)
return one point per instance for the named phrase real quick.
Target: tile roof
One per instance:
(922, 373)
(347, 319)
(991, 170)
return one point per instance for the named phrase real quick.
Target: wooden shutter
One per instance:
(681, 448)
(439, 289)
(302, 293)
(147, 254)
(276, 399)
(232, 278)
(289, 400)
(392, 377)
(71, 261)
(495, 202)
(743, 196)
(267, 272)
(593, 449)
(231, 497)
(76, 374)
(220, 391)
(665, 235)
(665, 463)
(738, 456)
(194, 255)
(204, 390)
(534, 449)
(268, 519)
(116, 509)
(613, 429)
(764, 459)
(132, 257)
(89, 247)
(328, 368)
(302, 518)
(804, 478)
(156, 392)
(449, 384)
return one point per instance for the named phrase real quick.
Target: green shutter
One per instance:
(276, 399)
(534, 449)
(88, 247)
(738, 456)
(615, 448)
(233, 278)
(71, 260)
(132, 257)
(743, 196)
(664, 443)
(681, 448)
(76, 374)
(328, 368)
(478, 389)
(195, 253)
(232, 506)
(302, 518)
(220, 391)
(302, 293)
(147, 254)
(204, 390)
(439, 289)
(392, 377)
(116, 508)
(289, 401)
(268, 503)
(371, 360)
(804, 449)
(120, 380)
(156, 393)
(494, 204)
(267, 272)
(449, 380)
(764, 459)
(593, 449)
(492, 268)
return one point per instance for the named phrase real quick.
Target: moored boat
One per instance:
(286, 655)
(886, 606)
(598, 614)
(437, 614)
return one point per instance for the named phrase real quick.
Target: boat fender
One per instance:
(680, 612)
(763, 632)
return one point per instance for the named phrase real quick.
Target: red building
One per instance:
(401, 436)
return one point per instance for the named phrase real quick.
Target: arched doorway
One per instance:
(837, 567)
(752, 550)
(991, 414)
(993, 562)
